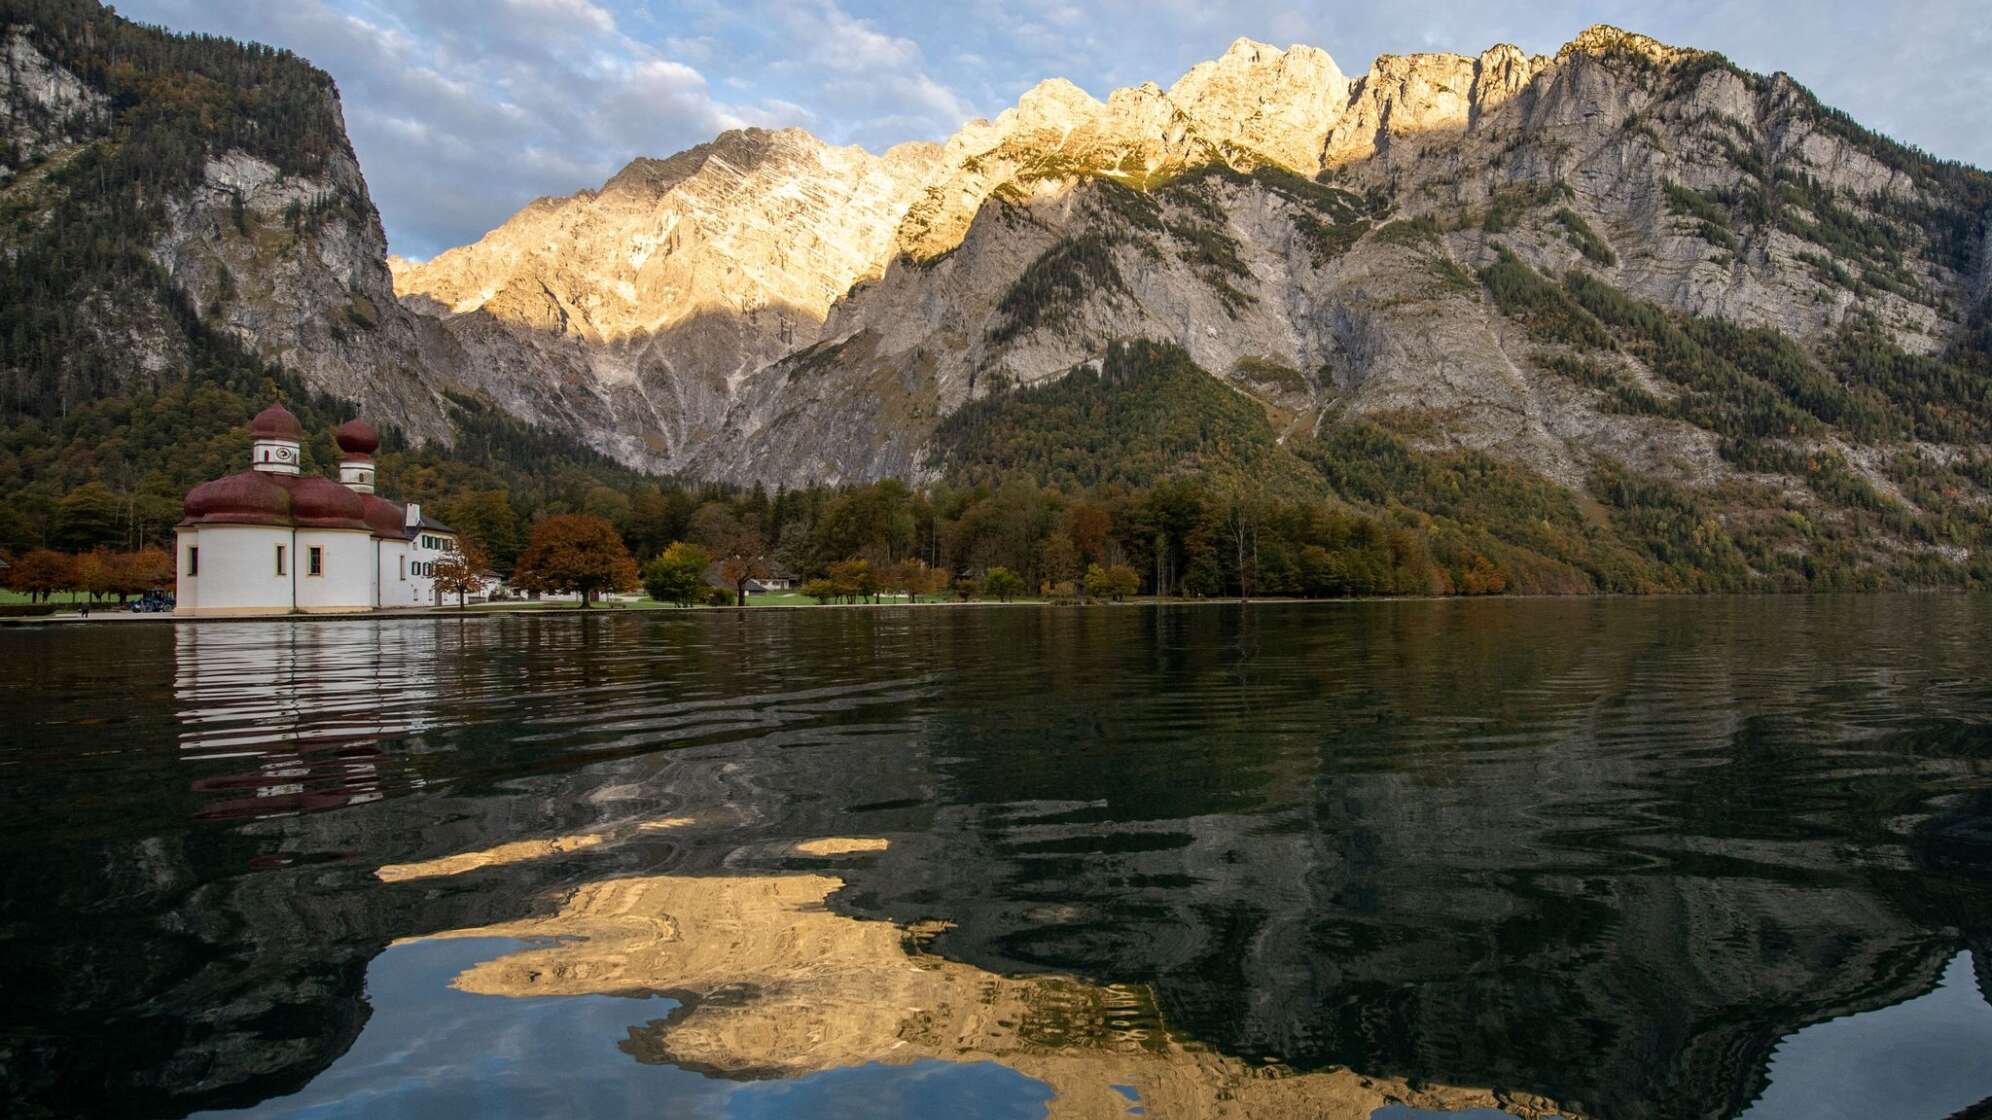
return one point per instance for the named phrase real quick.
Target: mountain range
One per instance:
(1624, 265)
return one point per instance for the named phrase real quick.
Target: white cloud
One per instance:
(832, 38)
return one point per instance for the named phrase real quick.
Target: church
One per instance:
(271, 540)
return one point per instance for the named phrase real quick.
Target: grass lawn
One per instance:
(60, 598)
(770, 599)
(798, 599)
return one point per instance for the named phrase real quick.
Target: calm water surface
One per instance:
(1675, 858)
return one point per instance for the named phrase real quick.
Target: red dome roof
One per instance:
(385, 518)
(258, 498)
(249, 498)
(320, 503)
(276, 422)
(357, 439)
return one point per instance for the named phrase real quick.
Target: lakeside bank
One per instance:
(481, 611)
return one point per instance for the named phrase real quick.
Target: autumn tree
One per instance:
(1481, 576)
(93, 575)
(135, 573)
(736, 543)
(854, 579)
(40, 573)
(913, 577)
(575, 552)
(1058, 560)
(1123, 582)
(1088, 524)
(461, 571)
(678, 574)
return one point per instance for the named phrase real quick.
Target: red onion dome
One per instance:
(357, 439)
(320, 503)
(385, 518)
(249, 498)
(276, 422)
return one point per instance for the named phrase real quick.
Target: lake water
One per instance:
(1615, 858)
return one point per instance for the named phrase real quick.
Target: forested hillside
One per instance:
(87, 192)
(1624, 531)
(117, 393)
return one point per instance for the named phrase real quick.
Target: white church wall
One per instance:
(186, 588)
(237, 572)
(346, 573)
(398, 587)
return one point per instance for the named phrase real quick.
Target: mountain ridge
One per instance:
(1057, 135)
(1621, 260)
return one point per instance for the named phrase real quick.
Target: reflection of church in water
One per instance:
(310, 722)
(272, 540)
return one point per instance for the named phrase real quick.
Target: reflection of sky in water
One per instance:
(1925, 1059)
(432, 1051)
(1921, 1060)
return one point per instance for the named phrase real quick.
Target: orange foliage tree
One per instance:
(135, 573)
(40, 573)
(576, 552)
(461, 572)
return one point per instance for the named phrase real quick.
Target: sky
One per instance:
(462, 111)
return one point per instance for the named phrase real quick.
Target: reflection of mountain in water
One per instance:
(774, 985)
(1604, 852)
(1610, 862)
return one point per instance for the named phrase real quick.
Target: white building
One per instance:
(271, 540)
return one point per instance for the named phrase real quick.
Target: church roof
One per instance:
(386, 519)
(260, 498)
(276, 422)
(256, 497)
(248, 498)
(356, 439)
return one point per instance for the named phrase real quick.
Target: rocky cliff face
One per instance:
(223, 171)
(39, 100)
(632, 313)
(1312, 239)
(295, 269)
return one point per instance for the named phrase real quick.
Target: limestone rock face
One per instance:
(770, 308)
(293, 267)
(296, 271)
(1277, 103)
(37, 97)
(629, 312)
(754, 221)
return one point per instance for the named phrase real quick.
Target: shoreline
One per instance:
(122, 618)
(484, 611)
